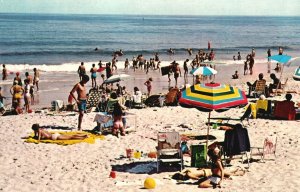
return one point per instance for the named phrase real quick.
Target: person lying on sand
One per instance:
(198, 173)
(41, 133)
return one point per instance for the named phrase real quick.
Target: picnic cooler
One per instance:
(199, 155)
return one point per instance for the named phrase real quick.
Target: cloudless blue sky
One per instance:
(155, 7)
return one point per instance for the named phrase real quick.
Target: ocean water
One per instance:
(59, 42)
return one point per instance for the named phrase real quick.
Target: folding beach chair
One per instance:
(269, 148)
(169, 149)
(93, 99)
(259, 88)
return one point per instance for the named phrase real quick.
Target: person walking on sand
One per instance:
(4, 73)
(94, 75)
(148, 83)
(81, 70)
(42, 134)
(81, 98)
(36, 78)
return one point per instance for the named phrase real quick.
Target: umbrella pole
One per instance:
(208, 126)
(279, 80)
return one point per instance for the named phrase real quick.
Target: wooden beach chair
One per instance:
(169, 149)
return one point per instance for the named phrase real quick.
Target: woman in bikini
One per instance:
(217, 169)
(42, 134)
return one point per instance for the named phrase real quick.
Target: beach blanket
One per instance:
(90, 139)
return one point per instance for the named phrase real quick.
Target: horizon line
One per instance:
(124, 14)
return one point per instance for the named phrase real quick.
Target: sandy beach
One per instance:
(86, 167)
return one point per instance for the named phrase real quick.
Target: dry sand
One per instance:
(86, 167)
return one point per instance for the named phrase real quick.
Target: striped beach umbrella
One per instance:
(212, 96)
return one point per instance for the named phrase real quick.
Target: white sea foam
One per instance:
(72, 67)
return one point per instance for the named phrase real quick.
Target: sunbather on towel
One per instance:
(41, 133)
(217, 169)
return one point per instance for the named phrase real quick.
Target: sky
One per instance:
(155, 7)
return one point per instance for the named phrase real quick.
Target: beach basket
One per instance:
(199, 155)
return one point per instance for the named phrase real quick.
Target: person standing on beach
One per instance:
(148, 83)
(93, 75)
(36, 78)
(251, 64)
(30, 79)
(253, 52)
(280, 51)
(156, 57)
(81, 98)
(108, 70)
(185, 67)
(177, 72)
(4, 73)
(27, 97)
(114, 63)
(126, 64)
(190, 51)
(17, 92)
(239, 57)
(81, 70)
(18, 78)
(269, 63)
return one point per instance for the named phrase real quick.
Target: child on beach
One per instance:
(4, 73)
(42, 134)
(148, 83)
(235, 75)
(118, 123)
(93, 75)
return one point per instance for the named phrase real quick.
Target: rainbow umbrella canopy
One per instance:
(212, 96)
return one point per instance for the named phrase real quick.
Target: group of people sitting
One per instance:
(261, 84)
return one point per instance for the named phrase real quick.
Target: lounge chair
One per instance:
(169, 149)
(269, 147)
(246, 116)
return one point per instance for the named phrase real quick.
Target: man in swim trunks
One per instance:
(81, 97)
(41, 133)
(81, 70)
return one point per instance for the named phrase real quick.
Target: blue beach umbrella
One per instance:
(284, 59)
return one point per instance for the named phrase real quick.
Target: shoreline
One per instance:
(57, 85)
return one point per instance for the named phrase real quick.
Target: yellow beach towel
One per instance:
(90, 139)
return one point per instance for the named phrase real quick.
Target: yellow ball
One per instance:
(149, 183)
